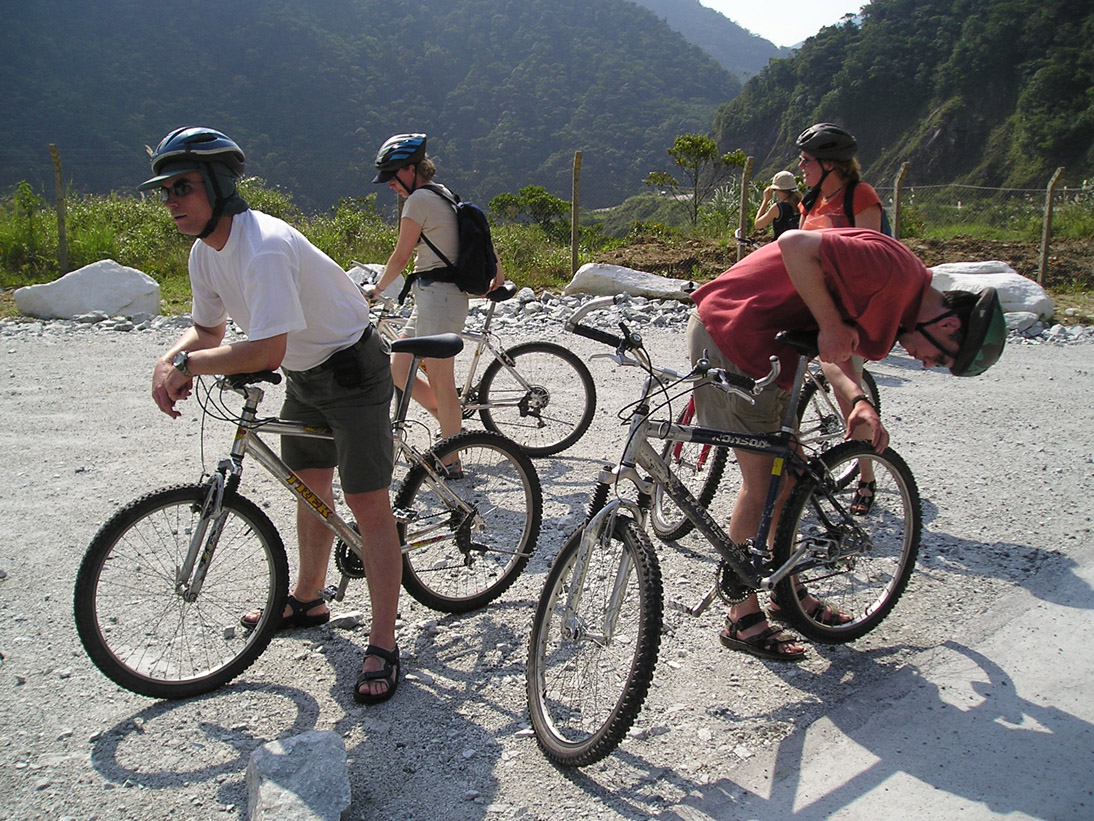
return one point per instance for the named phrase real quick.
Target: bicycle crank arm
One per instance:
(701, 607)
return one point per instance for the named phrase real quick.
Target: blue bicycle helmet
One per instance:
(398, 152)
(214, 154)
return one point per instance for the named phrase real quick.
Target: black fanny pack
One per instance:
(345, 365)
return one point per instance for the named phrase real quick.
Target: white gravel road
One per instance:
(1004, 464)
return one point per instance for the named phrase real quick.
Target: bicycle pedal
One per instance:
(403, 516)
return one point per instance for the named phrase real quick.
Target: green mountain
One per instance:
(990, 92)
(737, 50)
(508, 90)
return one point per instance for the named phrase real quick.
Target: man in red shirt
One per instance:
(863, 291)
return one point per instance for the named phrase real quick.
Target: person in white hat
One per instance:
(782, 214)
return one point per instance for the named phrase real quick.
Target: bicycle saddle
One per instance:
(439, 346)
(507, 290)
(804, 342)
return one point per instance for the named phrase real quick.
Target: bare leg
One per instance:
(383, 570)
(421, 391)
(743, 524)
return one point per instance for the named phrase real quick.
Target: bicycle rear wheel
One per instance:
(151, 632)
(594, 644)
(821, 424)
(552, 412)
(857, 564)
(699, 467)
(455, 561)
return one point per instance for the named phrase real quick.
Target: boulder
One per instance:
(101, 286)
(302, 778)
(601, 279)
(1018, 294)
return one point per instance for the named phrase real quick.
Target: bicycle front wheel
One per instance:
(699, 467)
(540, 395)
(465, 540)
(155, 633)
(821, 423)
(856, 564)
(594, 644)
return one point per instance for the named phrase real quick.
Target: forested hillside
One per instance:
(990, 92)
(738, 51)
(507, 91)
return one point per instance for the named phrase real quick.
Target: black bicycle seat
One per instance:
(804, 342)
(505, 291)
(439, 346)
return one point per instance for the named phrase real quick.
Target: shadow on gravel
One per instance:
(979, 711)
(173, 744)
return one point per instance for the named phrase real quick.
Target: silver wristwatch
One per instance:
(180, 360)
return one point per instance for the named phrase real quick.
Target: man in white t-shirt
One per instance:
(302, 313)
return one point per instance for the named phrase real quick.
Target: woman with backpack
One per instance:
(439, 304)
(782, 215)
(838, 198)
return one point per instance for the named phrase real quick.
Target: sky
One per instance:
(787, 22)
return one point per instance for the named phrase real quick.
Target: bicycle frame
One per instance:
(248, 442)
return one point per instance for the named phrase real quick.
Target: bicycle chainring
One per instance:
(347, 561)
(731, 589)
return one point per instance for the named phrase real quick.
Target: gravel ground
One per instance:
(1003, 463)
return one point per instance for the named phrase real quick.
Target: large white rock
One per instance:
(1018, 294)
(601, 279)
(101, 286)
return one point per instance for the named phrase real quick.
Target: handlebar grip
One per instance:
(597, 335)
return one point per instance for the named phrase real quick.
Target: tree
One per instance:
(702, 169)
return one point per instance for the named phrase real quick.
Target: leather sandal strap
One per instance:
(744, 622)
(301, 608)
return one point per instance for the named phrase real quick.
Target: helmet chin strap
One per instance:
(409, 191)
(922, 328)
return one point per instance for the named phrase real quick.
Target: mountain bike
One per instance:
(539, 394)
(162, 586)
(598, 622)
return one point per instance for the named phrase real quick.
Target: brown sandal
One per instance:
(863, 503)
(821, 612)
(766, 644)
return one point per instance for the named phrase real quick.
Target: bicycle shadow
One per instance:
(977, 709)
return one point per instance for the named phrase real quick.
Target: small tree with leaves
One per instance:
(702, 171)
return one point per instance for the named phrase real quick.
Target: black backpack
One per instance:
(476, 264)
(849, 210)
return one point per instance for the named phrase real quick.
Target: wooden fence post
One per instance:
(898, 184)
(1046, 231)
(742, 221)
(575, 228)
(62, 234)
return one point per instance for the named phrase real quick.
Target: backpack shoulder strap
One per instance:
(436, 189)
(849, 201)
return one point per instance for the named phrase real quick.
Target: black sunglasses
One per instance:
(179, 190)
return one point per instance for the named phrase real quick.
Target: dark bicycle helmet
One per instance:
(827, 141)
(984, 327)
(398, 152)
(985, 336)
(214, 154)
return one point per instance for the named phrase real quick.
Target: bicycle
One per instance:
(597, 626)
(539, 394)
(163, 584)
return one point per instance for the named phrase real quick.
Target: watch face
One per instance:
(180, 361)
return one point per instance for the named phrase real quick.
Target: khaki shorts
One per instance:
(719, 410)
(363, 449)
(439, 308)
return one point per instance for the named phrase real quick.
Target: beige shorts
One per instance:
(719, 410)
(439, 308)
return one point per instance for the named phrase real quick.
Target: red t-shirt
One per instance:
(830, 213)
(877, 284)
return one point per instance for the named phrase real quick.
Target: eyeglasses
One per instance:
(806, 160)
(177, 190)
